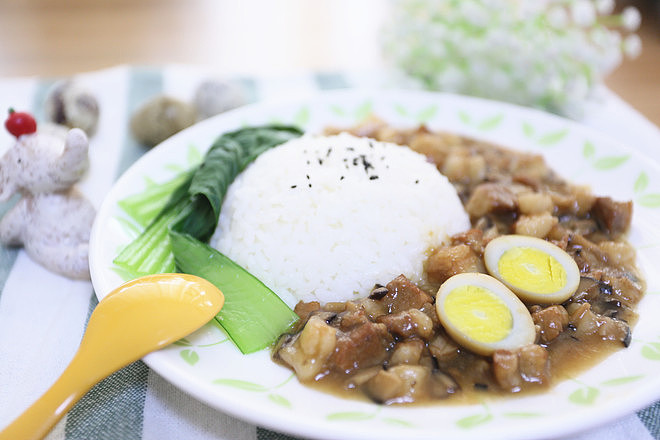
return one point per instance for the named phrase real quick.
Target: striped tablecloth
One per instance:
(43, 316)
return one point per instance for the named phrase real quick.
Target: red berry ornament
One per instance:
(20, 123)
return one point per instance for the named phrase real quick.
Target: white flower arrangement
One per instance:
(549, 54)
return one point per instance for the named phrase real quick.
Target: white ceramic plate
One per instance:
(253, 388)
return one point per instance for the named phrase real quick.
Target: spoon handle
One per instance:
(42, 415)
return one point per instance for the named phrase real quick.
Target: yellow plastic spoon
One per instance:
(133, 320)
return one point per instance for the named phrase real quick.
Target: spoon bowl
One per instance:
(138, 317)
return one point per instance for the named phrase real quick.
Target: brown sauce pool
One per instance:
(390, 347)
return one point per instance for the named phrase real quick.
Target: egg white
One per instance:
(498, 246)
(522, 332)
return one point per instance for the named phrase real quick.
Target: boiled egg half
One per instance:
(482, 314)
(534, 269)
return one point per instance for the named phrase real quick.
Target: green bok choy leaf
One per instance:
(174, 239)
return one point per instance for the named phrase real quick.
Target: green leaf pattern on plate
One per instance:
(352, 416)
(610, 162)
(360, 416)
(421, 116)
(528, 129)
(357, 114)
(301, 118)
(193, 157)
(464, 117)
(484, 124)
(552, 138)
(474, 420)
(280, 400)
(651, 351)
(646, 199)
(241, 385)
(491, 122)
(398, 422)
(521, 415)
(487, 416)
(641, 183)
(587, 395)
(245, 385)
(607, 162)
(544, 139)
(622, 380)
(401, 110)
(364, 110)
(426, 114)
(649, 200)
(190, 356)
(584, 396)
(588, 150)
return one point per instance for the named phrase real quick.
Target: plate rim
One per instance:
(163, 368)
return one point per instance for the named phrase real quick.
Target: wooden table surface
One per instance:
(64, 37)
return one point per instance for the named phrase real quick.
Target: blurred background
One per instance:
(54, 38)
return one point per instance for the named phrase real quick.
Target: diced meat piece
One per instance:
(612, 216)
(473, 237)
(559, 236)
(307, 352)
(589, 324)
(609, 294)
(384, 386)
(443, 348)
(362, 347)
(430, 145)
(585, 253)
(373, 308)
(625, 289)
(459, 165)
(529, 167)
(532, 203)
(592, 260)
(535, 225)
(429, 310)
(304, 309)
(533, 363)
(513, 369)
(442, 385)
(491, 198)
(584, 198)
(506, 371)
(353, 318)
(390, 134)
(618, 253)
(334, 306)
(552, 321)
(589, 290)
(581, 226)
(367, 128)
(409, 324)
(403, 294)
(408, 383)
(448, 261)
(407, 352)
(564, 203)
(361, 376)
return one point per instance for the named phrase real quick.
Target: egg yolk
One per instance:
(532, 270)
(478, 313)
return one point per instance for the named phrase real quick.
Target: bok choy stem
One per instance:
(253, 315)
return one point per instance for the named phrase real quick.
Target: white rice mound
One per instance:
(326, 218)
